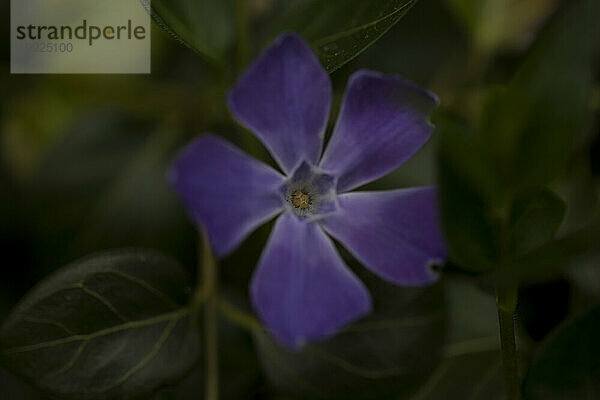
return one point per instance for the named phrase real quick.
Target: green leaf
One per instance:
(389, 352)
(475, 374)
(205, 26)
(568, 366)
(550, 260)
(114, 325)
(471, 361)
(534, 219)
(529, 129)
(467, 190)
(340, 30)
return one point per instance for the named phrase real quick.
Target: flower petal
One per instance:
(382, 123)
(395, 233)
(225, 190)
(284, 98)
(302, 289)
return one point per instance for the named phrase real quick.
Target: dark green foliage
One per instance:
(111, 326)
(339, 30)
(567, 366)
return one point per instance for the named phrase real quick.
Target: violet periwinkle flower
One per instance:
(302, 289)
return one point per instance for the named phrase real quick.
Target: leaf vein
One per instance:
(355, 369)
(143, 284)
(49, 322)
(149, 357)
(175, 315)
(71, 362)
(102, 300)
(348, 32)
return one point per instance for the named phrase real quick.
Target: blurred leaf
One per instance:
(104, 181)
(534, 219)
(529, 128)
(550, 260)
(205, 26)
(399, 52)
(584, 273)
(568, 366)
(579, 189)
(492, 23)
(390, 352)
(471, 362)
(114, 325)
(471, 313)
(339, 30)
(466, 191)
(474, 375)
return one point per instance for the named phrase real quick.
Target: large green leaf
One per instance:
(568, 366)
(467, 188)
(339, 30)
(114, 325)
(390, 352)
(529, 129)
(205, 26)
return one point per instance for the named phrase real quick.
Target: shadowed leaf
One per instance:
(471, 362)
(205, 26)
(529, 129)
(339, 30)
(568, 366)
(114, 325)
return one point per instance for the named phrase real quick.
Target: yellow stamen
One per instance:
(300, 200)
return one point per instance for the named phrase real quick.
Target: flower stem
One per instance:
(506, 301)
(211, 301)
(238, 317)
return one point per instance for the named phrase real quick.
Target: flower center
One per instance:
(301, 200)
(309, 193)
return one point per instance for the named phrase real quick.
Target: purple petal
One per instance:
(226, 191)
(395, 233)
(284, 98)
(302, 289)
(383, 122)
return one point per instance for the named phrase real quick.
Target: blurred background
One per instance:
(83, 161)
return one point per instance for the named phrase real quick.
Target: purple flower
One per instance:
(302, 288)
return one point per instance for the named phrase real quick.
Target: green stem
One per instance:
(506, 301)
(211, 302)
(238, 317)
